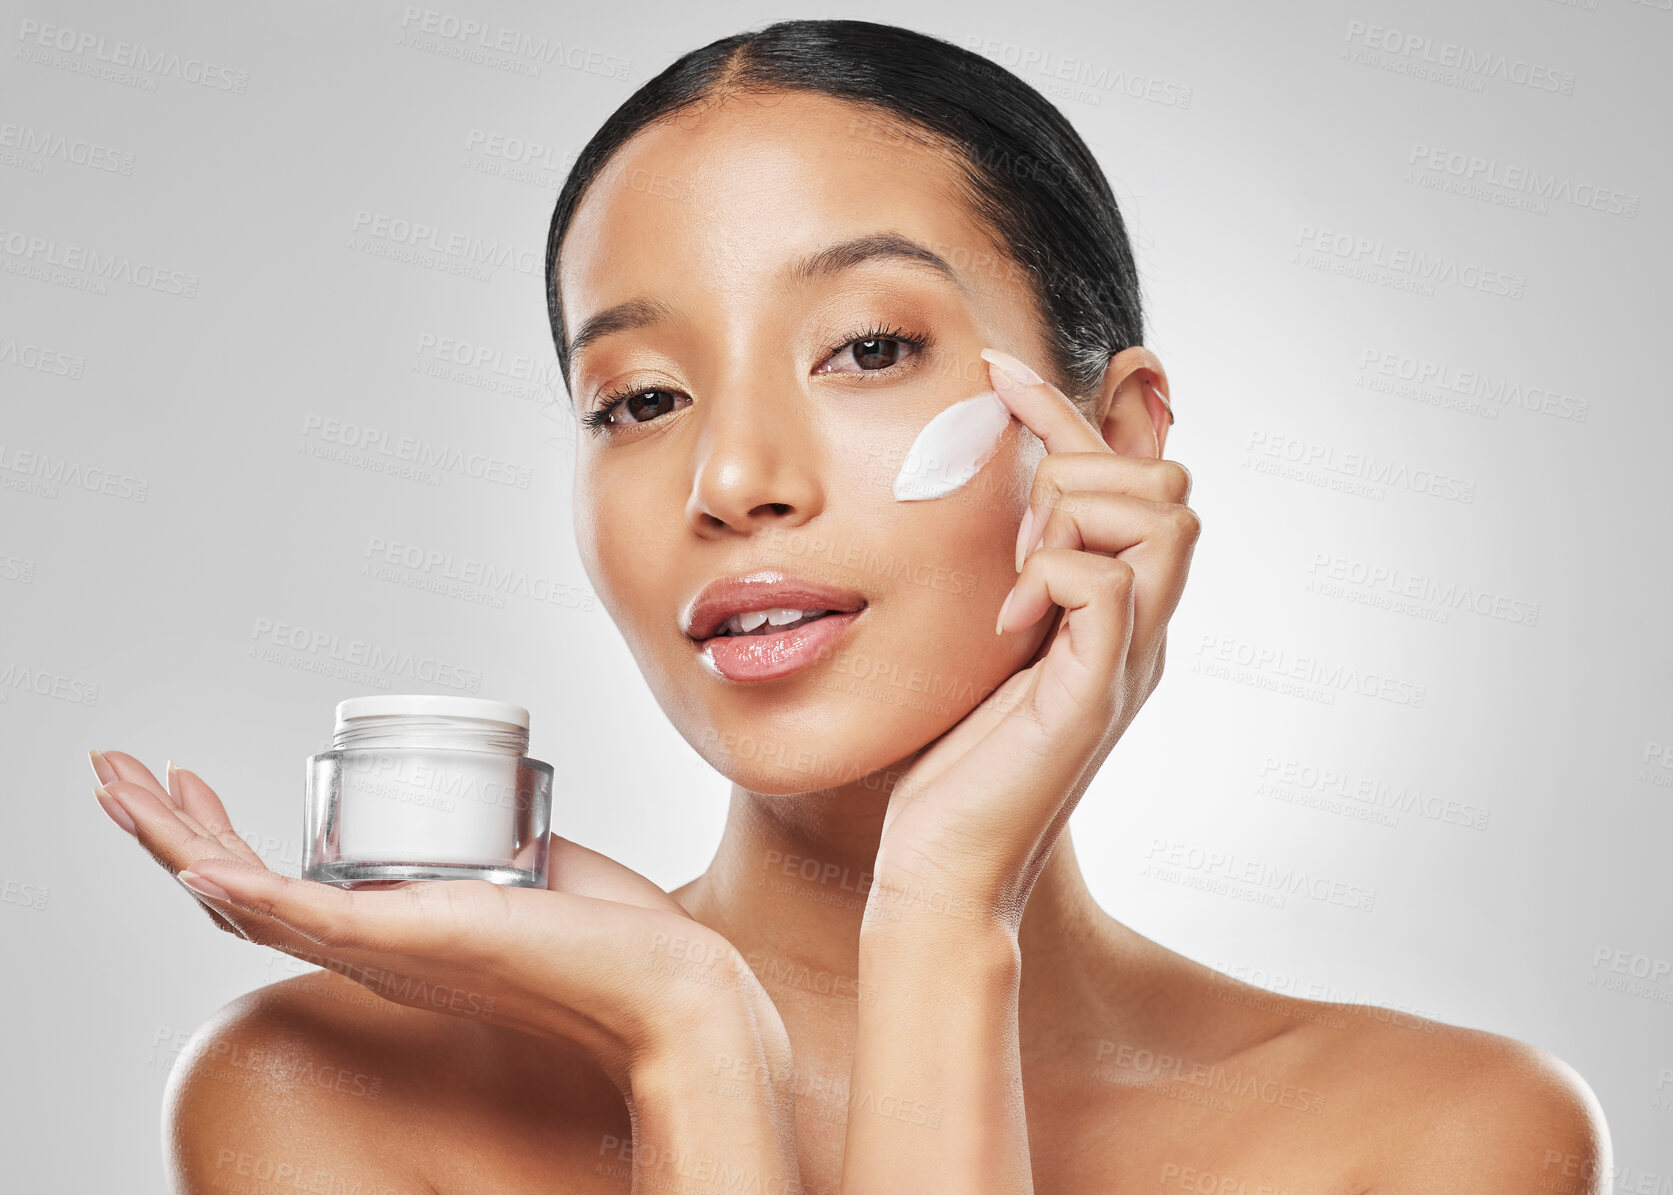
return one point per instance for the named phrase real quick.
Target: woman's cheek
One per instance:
(589, 534)
(959, 564)
(982, 516)
(618, 554)
(963, 544)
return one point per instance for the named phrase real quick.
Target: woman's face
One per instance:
(776, 402)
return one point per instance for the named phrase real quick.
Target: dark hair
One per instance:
(1022, 168)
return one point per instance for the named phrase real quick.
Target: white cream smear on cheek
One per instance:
(952, 448)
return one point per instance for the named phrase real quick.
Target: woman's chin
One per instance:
(757, 765)
(865, 746)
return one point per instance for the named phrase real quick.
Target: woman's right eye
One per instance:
(643, 405)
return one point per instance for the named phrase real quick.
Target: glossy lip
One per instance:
(764, 590)
(748, 658)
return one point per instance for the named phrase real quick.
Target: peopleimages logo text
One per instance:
(1466, 59)
(163, 63)
(419, 235)
(1431, 267)
(117, 267)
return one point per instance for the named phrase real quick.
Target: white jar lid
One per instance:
(437, 704)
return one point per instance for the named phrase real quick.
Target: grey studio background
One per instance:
(1412, 301)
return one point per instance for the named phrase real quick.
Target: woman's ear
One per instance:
(1133, 412)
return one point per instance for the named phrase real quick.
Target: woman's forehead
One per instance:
(751, 185)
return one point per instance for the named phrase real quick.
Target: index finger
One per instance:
(1041, 407)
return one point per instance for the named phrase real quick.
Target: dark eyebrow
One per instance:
(623, 317)
(642, 312)
(847, 254)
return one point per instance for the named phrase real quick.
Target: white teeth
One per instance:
(752, 620)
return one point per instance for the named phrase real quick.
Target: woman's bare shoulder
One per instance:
(315, 1079)
(1467, 1109)
(276, 1086)
(1432, 1106)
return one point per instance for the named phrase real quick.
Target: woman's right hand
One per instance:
(603, 957)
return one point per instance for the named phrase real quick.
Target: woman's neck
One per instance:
(788, 886)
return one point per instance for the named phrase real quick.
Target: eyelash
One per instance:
(597, 421)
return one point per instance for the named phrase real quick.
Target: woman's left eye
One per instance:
(871, 353)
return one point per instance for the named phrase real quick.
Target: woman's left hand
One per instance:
(970, 825)
(601, 957)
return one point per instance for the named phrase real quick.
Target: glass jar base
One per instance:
(352, 873)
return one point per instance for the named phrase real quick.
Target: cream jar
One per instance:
(427, 787)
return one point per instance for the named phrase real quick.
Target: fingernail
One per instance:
(173, 785)
(114, 810)
(1013, 369)
(1038, 544)
(999, 626)
(202, 886)
(1022, 534)
(101, 766)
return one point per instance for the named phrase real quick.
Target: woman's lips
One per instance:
(765, 589)
(767, 657)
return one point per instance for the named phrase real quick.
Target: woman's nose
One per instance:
(758, 462)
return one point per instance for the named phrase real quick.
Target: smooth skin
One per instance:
(892, 976)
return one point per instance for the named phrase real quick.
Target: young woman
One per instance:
(771, 267)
